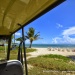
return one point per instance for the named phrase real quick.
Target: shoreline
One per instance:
(52, 45)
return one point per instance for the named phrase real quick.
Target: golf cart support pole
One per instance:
(24, 48)
(9, 45)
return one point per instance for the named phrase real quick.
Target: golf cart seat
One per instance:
(12, 67)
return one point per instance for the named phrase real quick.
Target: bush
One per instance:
(52, 62)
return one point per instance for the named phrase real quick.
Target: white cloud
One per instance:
(18, 34)
(56, 40)
(59, 25)
(66, 36)
(27, 41)
(70, 31)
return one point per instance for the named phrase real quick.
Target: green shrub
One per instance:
(2, 48)
(30, 50)
(56, 57)
(52, 62)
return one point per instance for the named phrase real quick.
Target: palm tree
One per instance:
(19, 39)
(32, 36)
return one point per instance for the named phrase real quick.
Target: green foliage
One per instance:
(56, 57)
(2, 48)
(30, 50)
(19, 39)
(30, 32)
(14, 53)
(32, 36)
(47, 62)
(2, 54)
(42, 71)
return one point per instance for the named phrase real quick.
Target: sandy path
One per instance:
(44, 51)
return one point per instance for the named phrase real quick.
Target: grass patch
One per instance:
(37, 71)
(2, 48)
(2, 54)
(49, 62)
(42, 71)
(14, 53)
(57, 57)
(30, 50)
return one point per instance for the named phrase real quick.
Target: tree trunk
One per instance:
(30, 44)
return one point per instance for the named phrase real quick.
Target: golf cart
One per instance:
(15, 15)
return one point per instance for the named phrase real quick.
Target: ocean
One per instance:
(52, 45)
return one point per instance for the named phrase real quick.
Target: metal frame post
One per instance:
(24, 51)
(9, 45)
(20, 56)
(14, 38)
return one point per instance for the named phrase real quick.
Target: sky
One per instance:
(55, 27)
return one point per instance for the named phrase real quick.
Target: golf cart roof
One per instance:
(15, 14)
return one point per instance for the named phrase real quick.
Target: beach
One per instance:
(59, 51)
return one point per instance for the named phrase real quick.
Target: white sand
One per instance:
(59, 51)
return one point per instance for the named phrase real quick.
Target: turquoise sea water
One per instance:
(52, 45)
